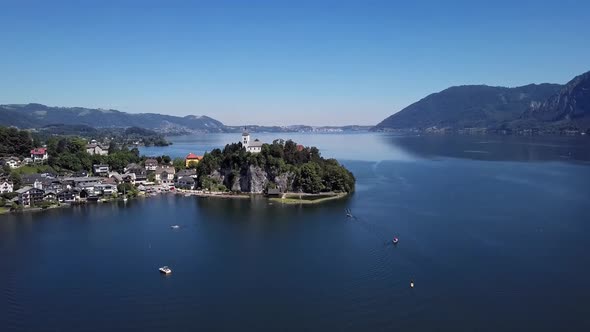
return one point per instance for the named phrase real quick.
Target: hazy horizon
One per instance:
(280, 63)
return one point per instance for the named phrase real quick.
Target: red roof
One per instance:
(193, 156)
(39, 151)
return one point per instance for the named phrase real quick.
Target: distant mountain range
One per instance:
(37, 115)
(541, 106)
(26, 116)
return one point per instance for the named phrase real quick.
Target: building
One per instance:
(39, 155)
(151, 164)
(101, 169)
(12, 162)
(165, 174)
(185, 182)
(35, 180)
(29, 196)
(97, 148)
(251, 146)
(49, 196)
(274, 192)
(192, 158)
(6, 187)
(68, 195)
(105, 189)
(187, 172)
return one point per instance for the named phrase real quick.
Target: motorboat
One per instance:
(165, 270)
(395, 240)
(175, 227)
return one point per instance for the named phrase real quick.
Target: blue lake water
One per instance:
(493, 230)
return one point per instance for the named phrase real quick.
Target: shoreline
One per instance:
(287, 199)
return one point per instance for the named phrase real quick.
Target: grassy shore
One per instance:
(306, 198)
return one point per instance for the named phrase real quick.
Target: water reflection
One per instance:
(509, 148)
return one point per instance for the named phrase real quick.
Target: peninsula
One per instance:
(42, 172)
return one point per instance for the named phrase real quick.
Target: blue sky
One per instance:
(281, 62)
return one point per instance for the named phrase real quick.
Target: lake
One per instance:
(494, 231)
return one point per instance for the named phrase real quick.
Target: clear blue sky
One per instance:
(275, 62)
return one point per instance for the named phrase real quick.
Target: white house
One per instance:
(39, 154)
(165, 174)
(5, 187)
(97, 148)
(12, 162)
(101, 169)
(251, 146)
(151, 164)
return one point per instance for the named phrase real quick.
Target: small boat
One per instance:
(174, 226)
(165, 270)
(125, 198)
(411, 283)
(395, 240)
(348, 213)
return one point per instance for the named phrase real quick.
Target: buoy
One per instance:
(411, 283)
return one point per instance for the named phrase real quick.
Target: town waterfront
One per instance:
(493, 230)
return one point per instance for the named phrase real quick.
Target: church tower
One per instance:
(245, 138)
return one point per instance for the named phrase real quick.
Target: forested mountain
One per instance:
(470, 106)
(37, 115)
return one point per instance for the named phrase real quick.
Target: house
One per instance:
(81, 182)
(140, 174)
(251, 146)
(29, 196)
(129, 178)
(39, 155)
(33, 180)
(105, 189)
(27, 161)
(131, 166)
(165, 174)
(97, 148)
(192, 158)
(185, 182)
(50, 196)
(68, 195)
(186, 172)
(6, 186)
(80, 174)
(12, 162)
(101, 169)
(151, 164)
(118, 178)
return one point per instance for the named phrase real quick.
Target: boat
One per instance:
(174, 226)
(348, 213)
(395, 240)
(165, 270)
(411, 283)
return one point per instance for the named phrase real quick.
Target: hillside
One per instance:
(570, 107)
(37, 115)
(469, 106)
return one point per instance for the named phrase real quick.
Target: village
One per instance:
(150, 177)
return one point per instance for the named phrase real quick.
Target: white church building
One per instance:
(251, 146)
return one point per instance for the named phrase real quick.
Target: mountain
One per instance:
(38, 115)
(570, 107)
(469, 106)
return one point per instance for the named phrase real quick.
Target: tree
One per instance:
(16, 180)
(166, 159)
(178, 164)
(310, 179)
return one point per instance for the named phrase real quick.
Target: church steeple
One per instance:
(245, 138)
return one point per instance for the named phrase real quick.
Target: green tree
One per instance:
(16, 180)
(178, 164)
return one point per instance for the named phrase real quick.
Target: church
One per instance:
(251, 146)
